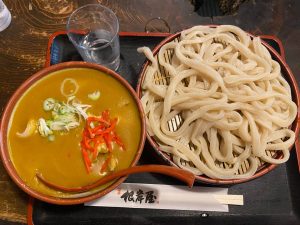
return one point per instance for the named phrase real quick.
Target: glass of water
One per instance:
(94, 31)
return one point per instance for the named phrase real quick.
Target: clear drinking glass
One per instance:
(94, 31)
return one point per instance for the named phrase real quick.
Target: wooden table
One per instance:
(23, 47)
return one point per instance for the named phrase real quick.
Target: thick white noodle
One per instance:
(232, 101)
(72, 91)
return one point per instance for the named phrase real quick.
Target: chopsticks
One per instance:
(230, 199)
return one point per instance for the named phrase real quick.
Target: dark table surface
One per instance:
(23, 46)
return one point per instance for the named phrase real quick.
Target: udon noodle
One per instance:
(230, 98)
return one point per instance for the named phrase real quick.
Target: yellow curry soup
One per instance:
(60, 161)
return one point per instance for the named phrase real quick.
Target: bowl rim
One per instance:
(6, 115)
(285, 69)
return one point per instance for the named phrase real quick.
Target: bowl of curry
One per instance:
(71, 124)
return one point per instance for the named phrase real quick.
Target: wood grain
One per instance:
(12, 201)
(23, 46)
